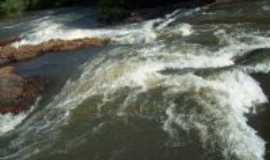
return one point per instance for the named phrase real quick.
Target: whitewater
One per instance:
(167, 88)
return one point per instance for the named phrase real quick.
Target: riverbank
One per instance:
(109, 12)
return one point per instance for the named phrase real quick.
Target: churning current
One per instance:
(171, 88)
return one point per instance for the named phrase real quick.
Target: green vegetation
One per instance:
(15, 7)
(11, 7)
(115, 10)
(108, 10)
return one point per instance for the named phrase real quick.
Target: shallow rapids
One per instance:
(176, 87)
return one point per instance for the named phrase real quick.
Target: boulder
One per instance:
(9, 54)
(17, 93)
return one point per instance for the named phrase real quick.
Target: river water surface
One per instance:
(188, 86)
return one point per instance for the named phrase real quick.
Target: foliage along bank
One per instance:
(108, 10)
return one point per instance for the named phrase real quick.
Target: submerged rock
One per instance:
(17, 93)
(256, 56)
(9, 54)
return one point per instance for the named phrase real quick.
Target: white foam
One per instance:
(223, 101)
(266, 8)
(224, 96)
(258, 68)
(240, 43)
(186, 30)
(49, 27)
(8, 122)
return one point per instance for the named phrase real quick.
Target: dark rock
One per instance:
(17, 93)
(260, 121)
(255, 56)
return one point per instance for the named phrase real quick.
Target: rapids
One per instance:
(175, 87)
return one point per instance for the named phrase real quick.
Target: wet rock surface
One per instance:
(17, 93)
(9, 54)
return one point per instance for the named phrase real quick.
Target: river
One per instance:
(192, 85)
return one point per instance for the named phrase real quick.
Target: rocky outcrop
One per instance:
(9, 54)
(17, 93)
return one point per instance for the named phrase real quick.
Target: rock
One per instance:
(9, 54)
(7, 71)
(253, 57)
(17, 93)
